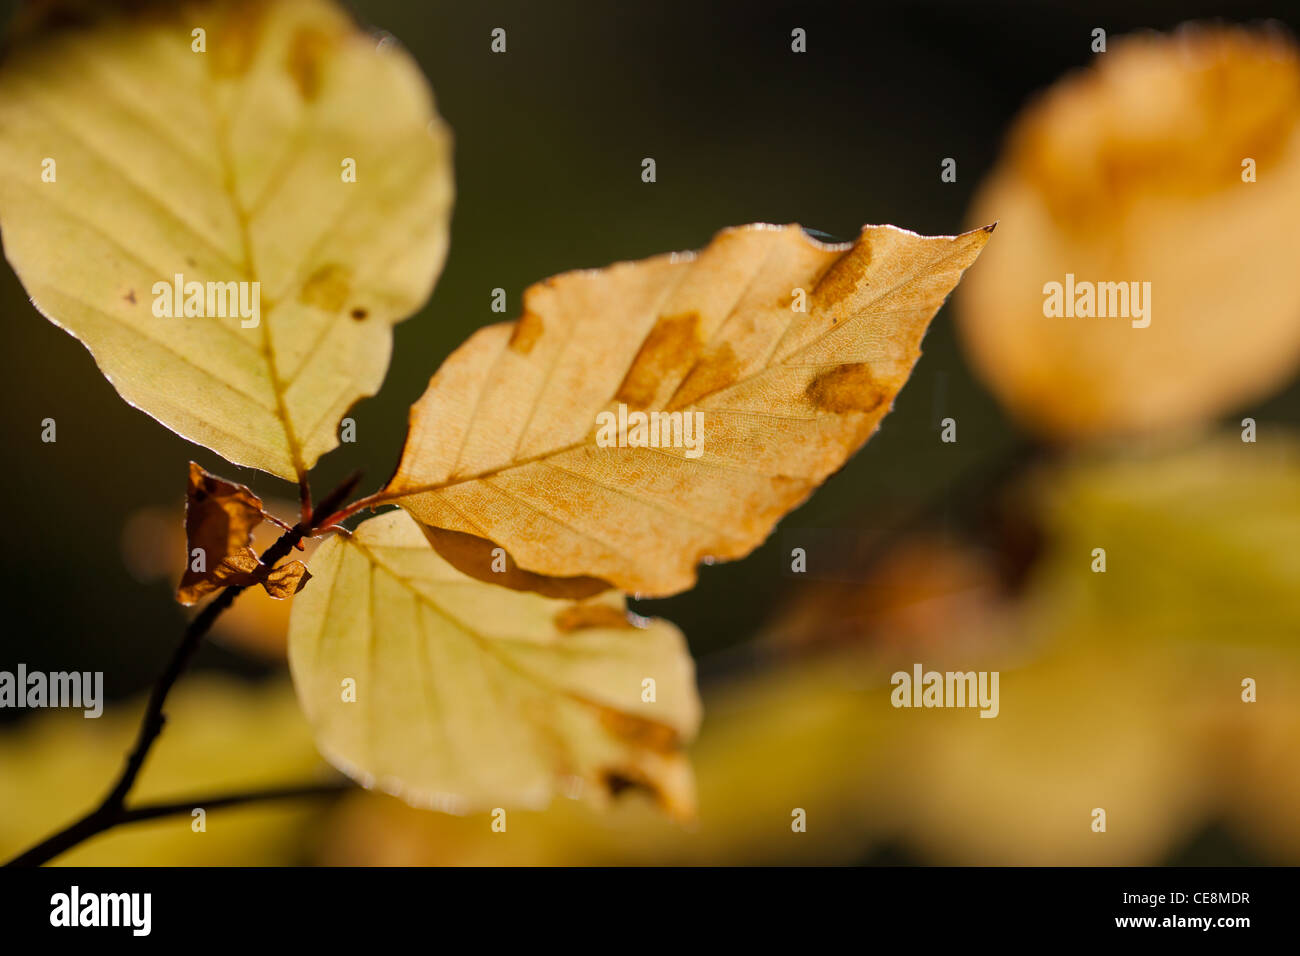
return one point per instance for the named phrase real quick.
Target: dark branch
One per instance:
(153, 811)
(112, 810)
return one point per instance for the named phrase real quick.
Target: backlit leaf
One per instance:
(469, 696)
(506, 444)
(128, 158)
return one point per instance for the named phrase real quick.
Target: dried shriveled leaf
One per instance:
(227, 166)
(220, 517)
(256, 624)
(286, 580)
(469, 696)
(503, 444)
(1133, 172)
(219, 520)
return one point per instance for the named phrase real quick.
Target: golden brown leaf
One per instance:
(219, 520)
(286, 580)
(780, 352)
(257, 623)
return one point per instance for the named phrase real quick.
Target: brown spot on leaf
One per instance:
(232, 45)
(579, 617)
(640, 731)
(327, 288)
(845, 388)
(844, 278)
(526, 332)
(309, 50)
(718, 368)
(617, 782)
(672, 344)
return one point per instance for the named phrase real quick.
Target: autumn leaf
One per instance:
(257, 624)
(1169, 171)
(805, 734)
(766, 360)
(219, 521)
(455, 694)
(220, 517)
(176, 191)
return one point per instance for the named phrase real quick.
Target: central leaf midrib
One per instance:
(229, 187)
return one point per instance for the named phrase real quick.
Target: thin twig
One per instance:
(154, 811)
(112, 809)
(369, 501)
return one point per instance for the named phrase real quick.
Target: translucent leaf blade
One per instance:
(470, 696)
(786, 352)
(227, 166)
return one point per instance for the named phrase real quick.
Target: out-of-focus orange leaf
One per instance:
(220, 517)
(1138, 170)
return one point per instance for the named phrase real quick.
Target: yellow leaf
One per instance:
(461, 696)
(778, 356)
(1173, 164)
(128, 157)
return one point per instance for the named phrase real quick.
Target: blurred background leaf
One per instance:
(222, 736)
(1132, 171)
